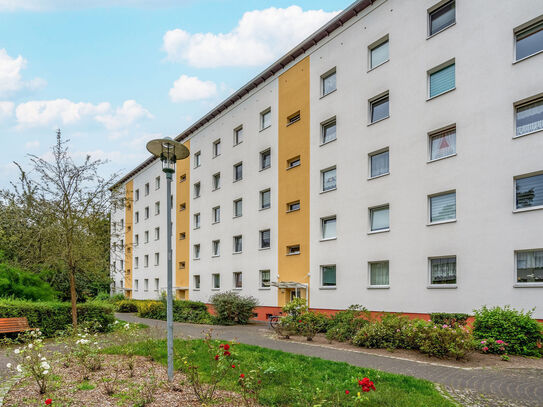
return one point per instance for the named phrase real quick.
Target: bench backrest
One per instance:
(13, 325)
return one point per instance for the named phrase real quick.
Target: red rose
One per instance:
(226, 353)
(233, 366)
(226, 346)
(48, 401)
(300, 320)
(216, 357)
(347, 392)
(221, 346)
(242, 376)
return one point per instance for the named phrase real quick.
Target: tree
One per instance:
(63, 212)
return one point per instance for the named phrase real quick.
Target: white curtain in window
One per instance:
(443, 271)
(328, 228)
(379, 273)
(329, 180)
(443, 145)
(379, 164)
(380, 218)
(530, 260)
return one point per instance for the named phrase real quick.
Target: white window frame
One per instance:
(370, 214)
(261, 285)
(261, 199)
(216, 181)
(292, 160)
(215, 244)
(236, 215)
(289, 209)
(260, 233)
(137, 195)
(157, 208)
(197, 281)
(157, 233)
(146, 236)
(216, 148)
(321, 277)
(528, 208)
(435, 69)
(146, 189)
(234, 239)
(324, 124)
(236, 132)
(234, 274)
(528, 284)
(375, 45)
(438, 132)
(214, 212)
(382, 96)
(293, 253)
(323, 220)
(378, 286)
(429, 276)
(322, 179)
(197, 159)
(262, 116)
(157, 259)
(325, 76)
(213, 287)
(197, 219)
(431, 10)
(522, 103)
(373, 154)
(197, 189)
(520, 30)
(157, 183)
(266, 151)
(235, 167)
(440, 222)
(196, 251)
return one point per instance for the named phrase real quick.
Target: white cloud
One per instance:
(191, 88)
(32, 144)
(42, 5)
(259, 38)
(10, 74)
(124, 116)
(6, 109)
(56, 112)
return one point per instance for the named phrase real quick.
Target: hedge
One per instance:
(52, 317)
(183, 311)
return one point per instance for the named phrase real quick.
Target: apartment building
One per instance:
(394, 159)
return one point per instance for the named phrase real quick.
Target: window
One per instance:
(328, 82)
(379, 274)
(238, 280)
(157, 284)
(443, 207)
(293, 162)
(157, 208)
(379, 108)
(137, 194)
(529, 191)
(328, 276)
(217, 148)
(197, 159)
(146, 284)
(238, 208)
(216, 181)
(265, 199)
(265, 119)
(196, 251)
(136, 262)
(293, 206)
(216, 247)
(328, 179)
(146, 236)
(183, 178)
(529, 41)
(379, 218)
(238, 172)
(443, 144)
(182, 236)
(293, 118)
(216, 214)
(379, 53)
(157, 233)
(182, 207)
(146, 189)
(196, 282)
(529, 117)
(441, 80)
(136, 285)
(443, 270)
(136, 240)
(238, 135)
(441, 18)
(122, 264)
(265, 159)
(265, 239)
(122, 224)
(294, 249)
(238, 244)
(137, 215)
(379, 164)
(197, 190)
(264, 278)
(146, 210)
(529, 266)
(181, 265)
(216, 281)
(328, 228)
(157, 259)
(157, 183)
(196, 221)
(328, 131)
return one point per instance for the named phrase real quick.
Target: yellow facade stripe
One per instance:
(128, 236)
(294, 141)
(182, 226)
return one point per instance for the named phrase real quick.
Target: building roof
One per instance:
(351, 11)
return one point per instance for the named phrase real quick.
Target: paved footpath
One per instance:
(471, 387)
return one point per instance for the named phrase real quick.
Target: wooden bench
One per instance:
(8, 325)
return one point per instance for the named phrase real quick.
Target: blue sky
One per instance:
(113, 74)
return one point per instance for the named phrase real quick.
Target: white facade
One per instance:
(487, 230)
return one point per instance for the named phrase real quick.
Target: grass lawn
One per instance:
(296, 380)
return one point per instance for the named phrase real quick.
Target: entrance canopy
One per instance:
(287, 284)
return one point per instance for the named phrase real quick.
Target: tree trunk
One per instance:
(73, 297)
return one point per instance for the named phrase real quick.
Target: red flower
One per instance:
(242, 376)
(233, 366)
(300, 320)
(216, 357)
(221, 346)
(48, 401)
(226, 353)
(347, 392)
(226, 346)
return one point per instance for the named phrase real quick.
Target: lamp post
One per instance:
(169, 151)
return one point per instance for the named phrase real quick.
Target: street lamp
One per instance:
(169, 151)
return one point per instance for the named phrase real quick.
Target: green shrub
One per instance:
(523, 333)
(296, 307)
(126, 306)
(53, 317)
(442, 341)
(232, 308)
(24, 285)
(183, 311)
(391, 332)
(151, 309)
(345, 324)
(311, 323)
(444, 318)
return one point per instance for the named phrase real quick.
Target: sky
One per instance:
(113, 74)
